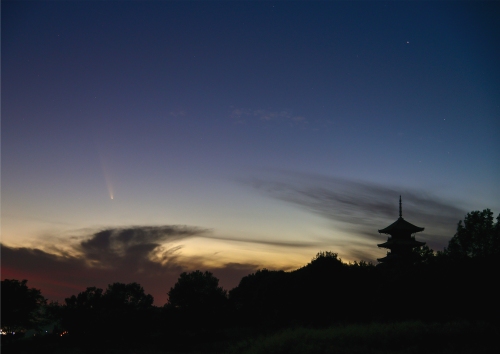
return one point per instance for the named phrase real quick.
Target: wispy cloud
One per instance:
(280, 244)
(150, 255)
(178, 113)
(133, 244)
(361, 207)
(242, 115)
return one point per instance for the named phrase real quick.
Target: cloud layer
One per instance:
(143, 254)
(362, 208)
(152, 255)
(241, 115)
(134, 246)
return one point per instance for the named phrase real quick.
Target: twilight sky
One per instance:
(142, 139)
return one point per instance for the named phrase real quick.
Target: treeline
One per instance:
(458, 283)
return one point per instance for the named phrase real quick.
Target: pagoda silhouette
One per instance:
(401, 242)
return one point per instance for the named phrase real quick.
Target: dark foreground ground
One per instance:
(394, 338)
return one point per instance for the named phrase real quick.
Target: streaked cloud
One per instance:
(178, 113)
(277, 243)
(153, 255)
(149, 255)
(107, 247)
(242, 115)
(361, 207)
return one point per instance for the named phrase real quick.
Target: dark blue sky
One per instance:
(279, 128)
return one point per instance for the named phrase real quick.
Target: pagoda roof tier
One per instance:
(401, 242)
(401, 226)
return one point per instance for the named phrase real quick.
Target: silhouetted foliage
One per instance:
(264, 298)
(127, 296)
(476, 237)
(196, 290)
(458, 283)
(325, 261)
(82, 314)
(116, 313)
(21, 306)
(470, 268)
(197, 300)
(324, 291)
(89, 299)
(331, 291)
(423, 255)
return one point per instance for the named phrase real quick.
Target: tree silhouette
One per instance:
(21, 306)
(476, 237)
(196, 290)
(263, 298)
(325, 261)
(89, 299)
(456, 284)
(127, 296)
(423, 254)
(82, 314)
(197, 300)
(128, 308)
(95, 313)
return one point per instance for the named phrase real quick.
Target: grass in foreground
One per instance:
(404, 337)
(375, 338)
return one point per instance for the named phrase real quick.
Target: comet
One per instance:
(107, 177)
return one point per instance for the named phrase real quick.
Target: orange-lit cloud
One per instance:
(143, 254)
(154, 256)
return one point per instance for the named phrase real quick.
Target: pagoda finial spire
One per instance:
(400, 208)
